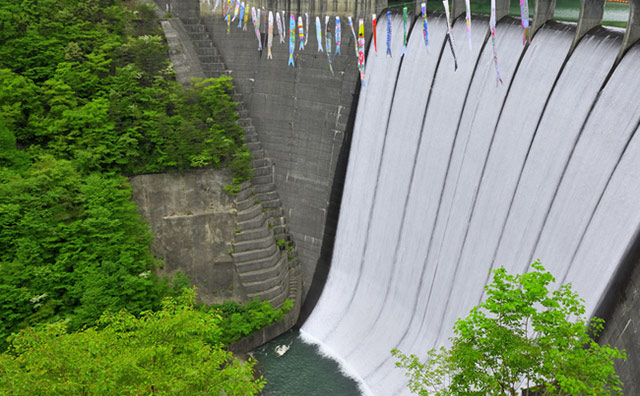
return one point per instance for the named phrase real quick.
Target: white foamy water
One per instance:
(451, 175)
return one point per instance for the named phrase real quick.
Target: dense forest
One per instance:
(88, 97)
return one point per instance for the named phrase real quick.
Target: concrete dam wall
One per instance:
(303, 116)
(452, 174)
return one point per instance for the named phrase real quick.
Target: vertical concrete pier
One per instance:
(542, 14)
(591, 13)
(632, 34)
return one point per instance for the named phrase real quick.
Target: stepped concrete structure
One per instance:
(302, 119)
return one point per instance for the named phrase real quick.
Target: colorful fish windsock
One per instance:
(256, 25)
(319, 34)
(229, 23)
(292, 39)
(404, 23)
(375, 34)
(353, 33)
(263, 24)
(327, 38)
(468, 19)
(237, 11)
(338, 35)
(301, 32)
(216, 7)
(361, 49)
(280, 28)
(445, 3)
(492, 27)
(224, 9)
(388, 33)
(246, 17)
(270, 36)
(306, 36)
(241, 15)
(425, 28)
(524, 16)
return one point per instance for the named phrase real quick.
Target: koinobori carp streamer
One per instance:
(353, 33)
(292, 39)
(425, 28)
(301, 32)
(445, 3)
(375, 35)
(327, 41)
(361, 49)
(524, 16)
(404, 24)
(319, 34)
(281, 31)
(388, 33)
(338, 35)
(492, 27)
(270, 36)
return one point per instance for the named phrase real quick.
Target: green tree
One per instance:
(522, 337)
(173, 351)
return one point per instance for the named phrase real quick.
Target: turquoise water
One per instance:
(302, 370)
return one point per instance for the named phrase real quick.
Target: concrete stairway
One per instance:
(210, 59)
(263, 251)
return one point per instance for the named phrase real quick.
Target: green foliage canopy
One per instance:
(174, 351)
(522, 337)
(90, 81)
(87, 94)
(242, 320)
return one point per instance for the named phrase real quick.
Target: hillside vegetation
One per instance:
(88, 97)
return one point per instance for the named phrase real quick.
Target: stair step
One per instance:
(264, 188)
(275, 271)
(260, 162)
(199, 36)
(273, 293)
(207, 51)
(212, 61)
(257, 154)
(260, 180)
(275, 212)
(251, 137)
(249, 213)
(280, 230)
(254, 146)
(258, 264)
(274, 203)
(194, 28)
(278, 279)
(267, 196)
(251, 224)
(244, 194)
(254, 244)
(262, 171)
(203, 43)
(256, 233)
(254, 254)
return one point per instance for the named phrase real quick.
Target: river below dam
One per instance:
(302, 370)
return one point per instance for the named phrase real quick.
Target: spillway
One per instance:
(451, 175)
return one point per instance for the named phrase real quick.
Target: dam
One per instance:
(450, 174)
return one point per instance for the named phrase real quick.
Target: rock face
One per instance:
(193, 223)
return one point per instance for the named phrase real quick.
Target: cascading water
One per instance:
(451, 175)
